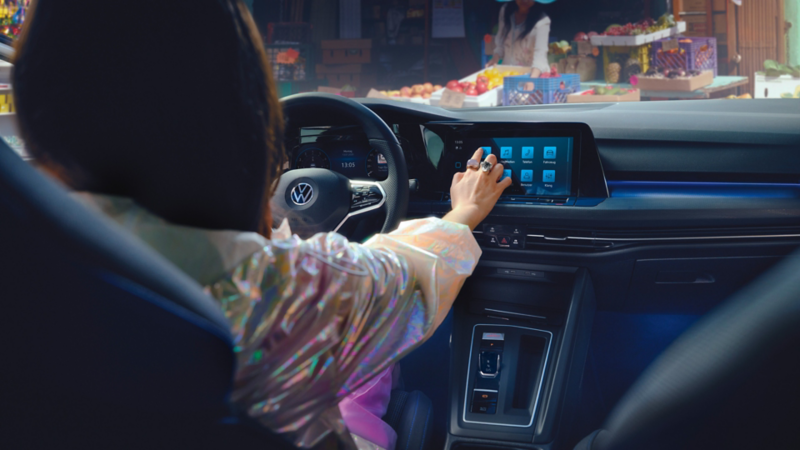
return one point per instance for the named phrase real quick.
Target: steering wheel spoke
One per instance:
(366, 197)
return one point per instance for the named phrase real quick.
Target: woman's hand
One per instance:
(492, 62)
(535, 73)
(474, 192)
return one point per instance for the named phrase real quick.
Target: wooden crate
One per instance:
(684, 85)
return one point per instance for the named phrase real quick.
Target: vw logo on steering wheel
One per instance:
(302, 194)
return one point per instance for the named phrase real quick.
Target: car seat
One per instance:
(105, 344)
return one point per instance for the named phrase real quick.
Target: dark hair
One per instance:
(535, 14)
(170, 103)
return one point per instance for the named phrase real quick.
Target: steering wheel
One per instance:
(322, 200)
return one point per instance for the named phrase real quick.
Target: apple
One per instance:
(417, 89)
(428, 87)
(471, 91)
(483, 79)
(457, 88)
(482, 88)
(465, 84)
(405, 91)
(452, 84)
(437, 87)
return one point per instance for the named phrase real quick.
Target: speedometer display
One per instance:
(313, 158)
(377, 167)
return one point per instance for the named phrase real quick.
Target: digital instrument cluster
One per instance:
(350, 159)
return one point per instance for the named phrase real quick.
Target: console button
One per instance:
(489, 364)
(493, 240)
(504, 241)
(516, 243)
(484, 401)
(484, 407)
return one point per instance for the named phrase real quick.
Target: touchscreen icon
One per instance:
(549, 176)
(527, 152)
(506, 152)
(526, 176)
(549, 153)
(506, 174)
(486, 151)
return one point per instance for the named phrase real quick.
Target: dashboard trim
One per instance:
(365, 210)
(679, 238)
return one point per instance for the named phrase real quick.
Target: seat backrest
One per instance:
(732, 381)
(98, 331)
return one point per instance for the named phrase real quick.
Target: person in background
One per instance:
(522, 36)
(167, 121)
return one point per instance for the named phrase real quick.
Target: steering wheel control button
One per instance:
(365, 196)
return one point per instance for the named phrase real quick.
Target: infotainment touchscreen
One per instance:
(537, 166)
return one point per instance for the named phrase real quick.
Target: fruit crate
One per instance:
(524, 90)
(620, 54)
(692, 53)
(301, 69)
(289, 33)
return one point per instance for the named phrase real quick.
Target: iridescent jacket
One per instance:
(313, 320)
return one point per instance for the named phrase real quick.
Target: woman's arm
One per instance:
(541, 34)
(499, 48)
(315, 319)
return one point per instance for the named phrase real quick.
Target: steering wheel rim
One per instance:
(311, 109)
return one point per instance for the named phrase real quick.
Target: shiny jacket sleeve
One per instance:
(315, 319)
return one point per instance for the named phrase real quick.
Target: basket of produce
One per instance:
(290, 62)
(777, 81)
(620, 63)
(605, 94)
(661, 79)
(558, 51)
(639, 33)
(551, 87)
(418, 93)
(696, 53)
(481, 88)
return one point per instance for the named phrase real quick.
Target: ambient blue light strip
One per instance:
(670, 189)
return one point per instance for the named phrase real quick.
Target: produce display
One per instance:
(659, 78)
(485, 82)
(560, 47)
(776, 69)
(422, 91)
(608, 90)
(661, 72)
(644, 26)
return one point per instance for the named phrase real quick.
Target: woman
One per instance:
(522, 36)
(164, 116)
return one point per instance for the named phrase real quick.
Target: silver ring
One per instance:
(486, 166)
(473, 164)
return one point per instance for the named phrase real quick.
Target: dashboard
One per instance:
(706, 190)
(340, 150)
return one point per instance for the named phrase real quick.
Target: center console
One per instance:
(521, 330)
(518, 350)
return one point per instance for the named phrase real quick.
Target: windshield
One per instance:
(486, 53)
